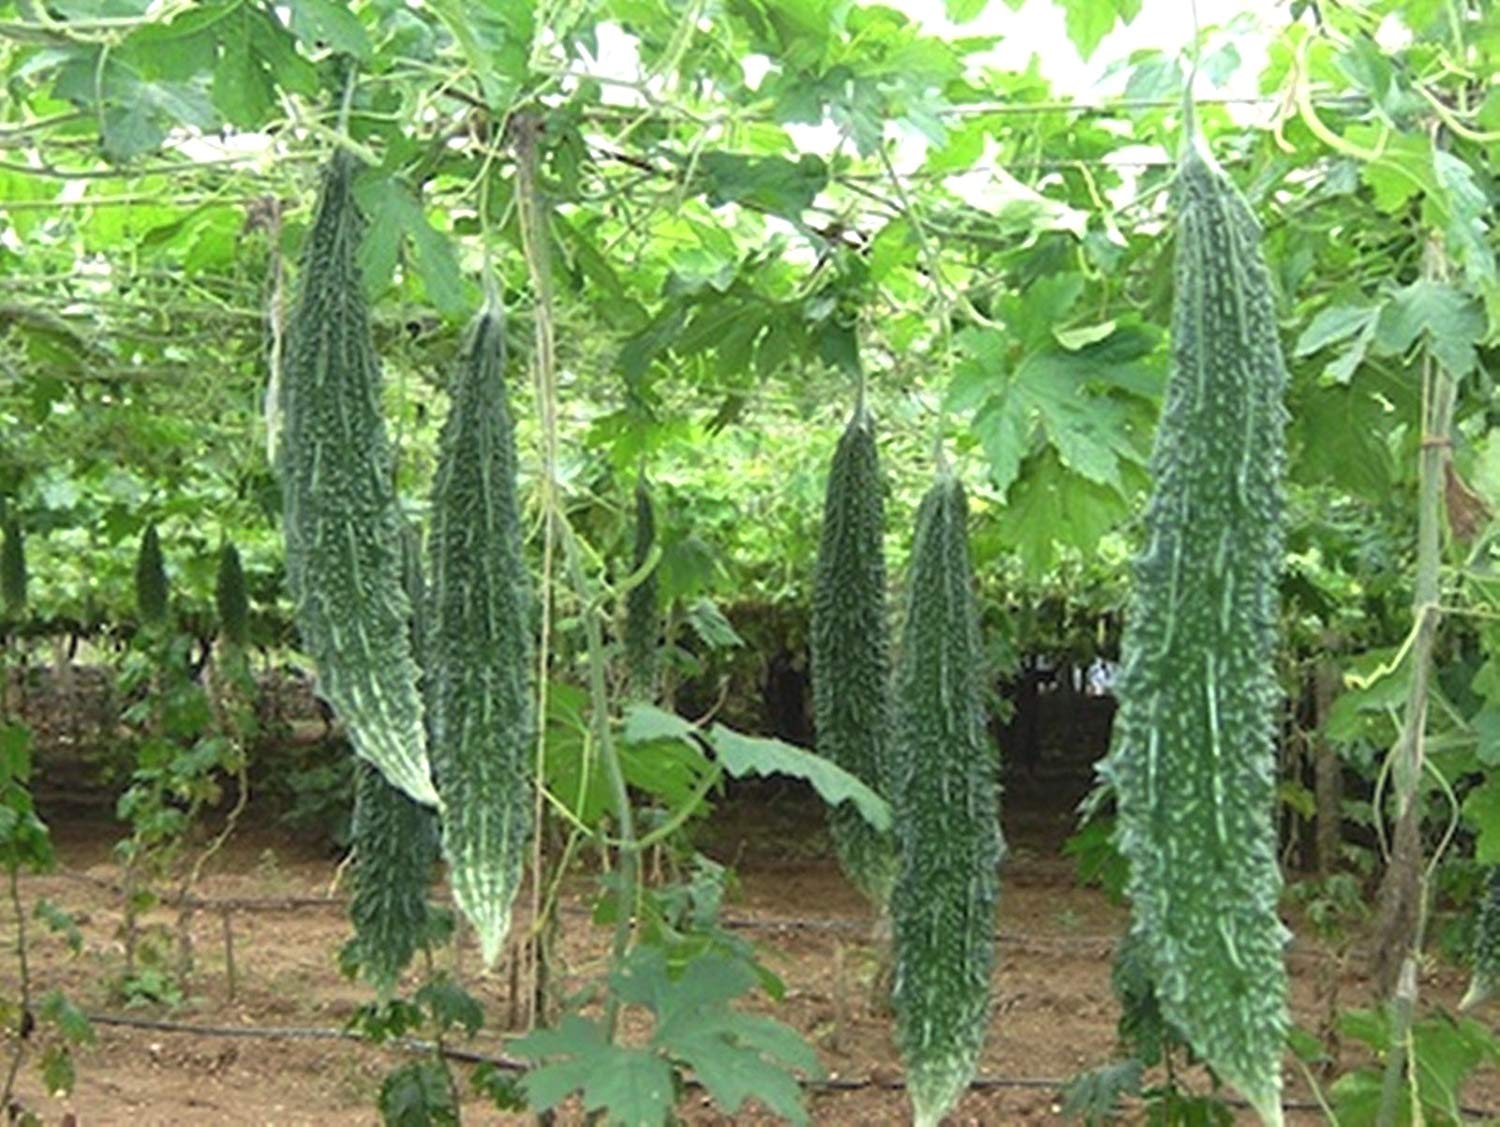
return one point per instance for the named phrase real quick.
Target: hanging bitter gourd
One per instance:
(394, 842)
(150, 578)
(1193, 760)
(1485, 980)
(851, 651)
(479, 649)
(642, 623)
(13, 569)
(339, 504)
(230, 598)
(945, 799)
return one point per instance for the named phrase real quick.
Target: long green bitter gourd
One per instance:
(13, 569)
(946, 814)
(851, 651)
(480, 648)
(230, 598)
(1485, 980)
(394, 842)
(150, 578)
(642, 622)
(1193, 760)
(339, 504)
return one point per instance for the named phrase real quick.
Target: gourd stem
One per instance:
(1189, 107)
(859, 387)
(347, 102)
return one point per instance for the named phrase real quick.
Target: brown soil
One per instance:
(1054, 1013)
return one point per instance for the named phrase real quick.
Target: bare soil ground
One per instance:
(1054, 1013)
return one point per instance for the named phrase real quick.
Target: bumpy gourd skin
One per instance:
(151, 591)
(395, 842)
(480, 649)
(947, 817)
(339, 504)
(1193, 759)
(13, 569)
(1486, 978)
(642, 622)
(851, 650)
(230, 597)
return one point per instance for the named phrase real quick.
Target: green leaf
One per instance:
(767, 183)
(962, 11)
(450, 1005)
(418, 1095)
(646, 724)
(631, 1085)
(1482, 813)
(330, 23)
(1334, 323)
(1402, 171)
(1083, 335)
(1305, 1046)
(58, 1075)
(1341, 434)
(1089, 21)
(713, 629)
(495, 38)
(393, 212)
(1050, 505)
(274, 44)
(754, 755)
(670, 771)
(59, 922)
(733, 1074)
(1094, 1096)
(129, 131)
(1486, 473)
(1449, 320)
(736, 1056)
(71, 1022)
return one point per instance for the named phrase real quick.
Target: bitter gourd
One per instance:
(150, 578)
(480, 663)
(230, 597)
(339, 504)
(850, 649)
(642, 624)
(13, 569)
(1486, 977)
(394, 842)
(1193, 761)
(946, 816)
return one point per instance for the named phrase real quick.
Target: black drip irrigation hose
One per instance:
(983, 1082)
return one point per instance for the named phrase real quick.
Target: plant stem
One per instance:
(628, 851)
(534, 237)
(534, 247)
(24, 1017)
(1403, 889)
